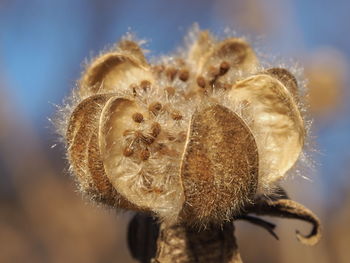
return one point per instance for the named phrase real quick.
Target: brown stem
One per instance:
(177, 243)
(181, 244)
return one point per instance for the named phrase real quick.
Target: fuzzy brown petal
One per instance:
(291, 209)
(220, 166)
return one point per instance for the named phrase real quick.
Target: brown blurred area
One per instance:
(44, 219)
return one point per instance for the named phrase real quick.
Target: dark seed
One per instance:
(184, 75)
(128, 151)
(155, 107)
(201, 81)
(145, 154)
(156, 129)
(137, 117)
(224, 67)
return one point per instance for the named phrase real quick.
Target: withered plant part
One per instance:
(196, 141)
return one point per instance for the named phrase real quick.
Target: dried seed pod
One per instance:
(172, 151)
(278, 125)
(219, 170)
(83, 152)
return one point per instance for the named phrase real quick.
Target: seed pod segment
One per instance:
(83, 152)
(147, 179)
(113, 71)
(219, 171)
(277, 123)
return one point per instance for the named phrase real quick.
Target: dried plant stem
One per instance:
(152, 242)
(182, 244)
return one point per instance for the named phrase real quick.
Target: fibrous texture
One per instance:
(193, 138)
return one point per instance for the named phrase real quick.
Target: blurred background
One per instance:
(43, 44)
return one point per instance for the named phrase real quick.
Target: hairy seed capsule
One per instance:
(192, 158)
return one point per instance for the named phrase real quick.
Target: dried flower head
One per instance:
(197, 137)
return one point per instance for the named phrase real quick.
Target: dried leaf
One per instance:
(290, 209)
